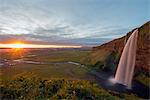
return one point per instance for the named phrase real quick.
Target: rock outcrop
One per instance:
(100, 53)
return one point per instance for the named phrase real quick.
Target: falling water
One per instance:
(126, 65)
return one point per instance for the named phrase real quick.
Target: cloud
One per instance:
(30, 28)
(35, 20)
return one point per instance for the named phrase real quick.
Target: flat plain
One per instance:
(46, 64)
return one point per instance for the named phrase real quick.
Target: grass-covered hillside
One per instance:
(113, 49)
(53, 78)
(106, 57)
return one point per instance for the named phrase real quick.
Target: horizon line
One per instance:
(38, 46)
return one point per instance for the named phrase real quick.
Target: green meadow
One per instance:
(52, 77)
(54, 65)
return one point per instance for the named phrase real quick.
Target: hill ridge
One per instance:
(100, 53)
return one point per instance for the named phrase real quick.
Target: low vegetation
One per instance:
(60, 56)
(35, 88)
(144, 79)
(55, 64)
(57, 80)
(109, 63)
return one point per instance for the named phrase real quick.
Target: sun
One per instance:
(17, 45)
(22, 45)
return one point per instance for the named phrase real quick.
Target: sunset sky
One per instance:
(83, 22)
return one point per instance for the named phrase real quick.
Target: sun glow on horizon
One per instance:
(16, 45)
(23, 45)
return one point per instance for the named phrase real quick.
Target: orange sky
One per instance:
(24, 45)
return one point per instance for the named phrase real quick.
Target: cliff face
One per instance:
(100, 53)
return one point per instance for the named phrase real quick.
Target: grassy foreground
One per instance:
(24, 88)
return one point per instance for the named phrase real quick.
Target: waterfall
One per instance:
(125, 70)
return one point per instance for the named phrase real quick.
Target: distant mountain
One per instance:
(102, 52)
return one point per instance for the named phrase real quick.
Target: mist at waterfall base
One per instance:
(126, 66)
